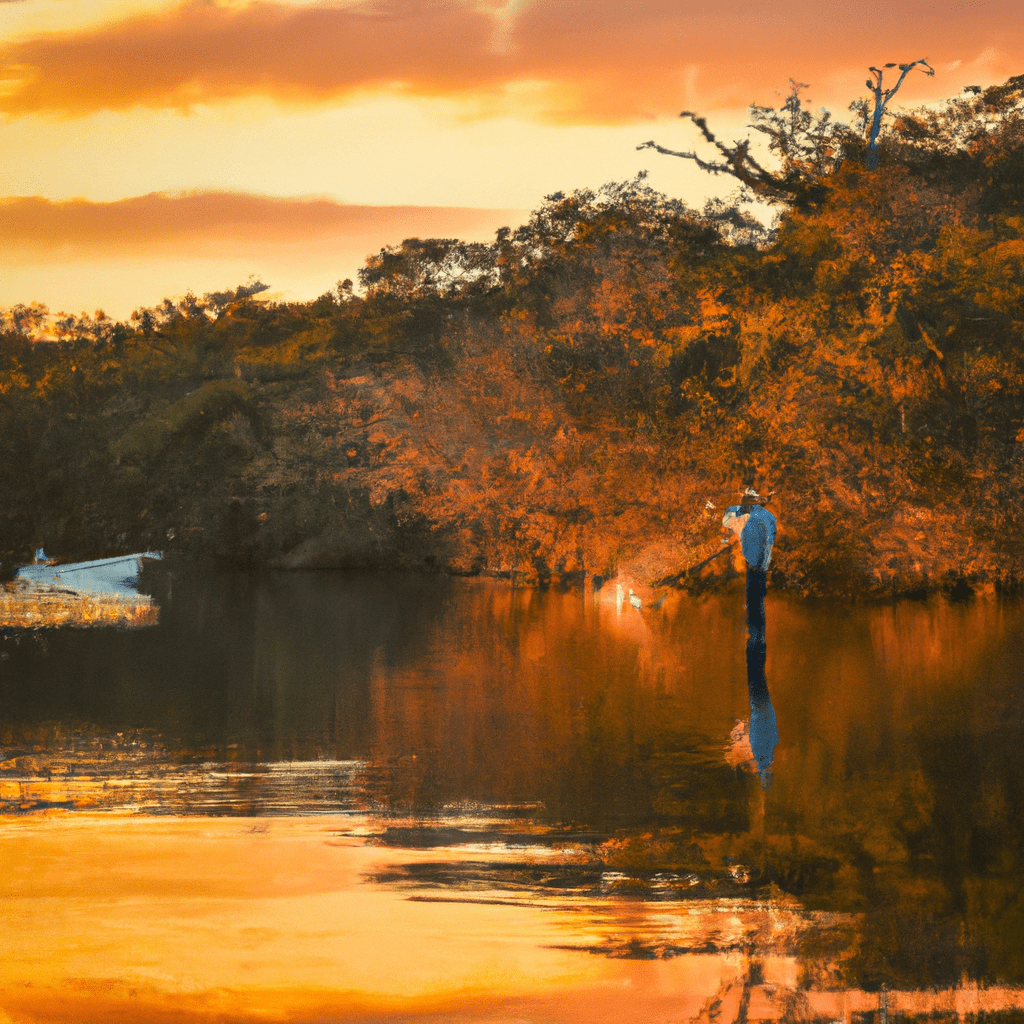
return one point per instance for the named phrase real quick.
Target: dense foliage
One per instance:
(568, 398)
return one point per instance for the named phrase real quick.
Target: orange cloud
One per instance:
(117, 256)
(589, 61)
(220, 224)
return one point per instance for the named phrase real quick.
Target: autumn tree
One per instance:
(431, 267)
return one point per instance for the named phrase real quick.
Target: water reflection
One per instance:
(510, 744)
(763, 731)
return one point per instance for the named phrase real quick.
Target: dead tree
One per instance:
(882, 99)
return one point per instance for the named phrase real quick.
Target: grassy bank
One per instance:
(29, 606)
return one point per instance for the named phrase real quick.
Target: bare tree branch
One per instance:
(810, 147)
(882, 99)
(805, 146)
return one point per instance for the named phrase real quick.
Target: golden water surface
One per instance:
(324, 797)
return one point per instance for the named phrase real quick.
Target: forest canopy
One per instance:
(569, 398)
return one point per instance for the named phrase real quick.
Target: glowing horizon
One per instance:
(399, 103)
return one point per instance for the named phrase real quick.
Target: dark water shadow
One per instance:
(549, 746)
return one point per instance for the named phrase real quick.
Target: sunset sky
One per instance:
(151, 147)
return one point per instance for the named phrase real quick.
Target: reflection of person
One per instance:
(764, 730)
(754, 525)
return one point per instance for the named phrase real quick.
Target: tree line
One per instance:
(568, 398)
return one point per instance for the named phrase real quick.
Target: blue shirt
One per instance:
(757, 537)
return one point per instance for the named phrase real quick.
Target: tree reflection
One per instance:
(566, 751)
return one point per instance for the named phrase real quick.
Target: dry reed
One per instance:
(27, 605)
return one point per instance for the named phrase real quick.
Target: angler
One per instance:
(754, 525)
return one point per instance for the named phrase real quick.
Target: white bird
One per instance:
(634, 600)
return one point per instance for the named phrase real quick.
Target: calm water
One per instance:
(552, 747)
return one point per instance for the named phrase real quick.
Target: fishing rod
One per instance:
(751, 498)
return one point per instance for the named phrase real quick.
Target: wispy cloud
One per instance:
(589, 61)
(228, 224)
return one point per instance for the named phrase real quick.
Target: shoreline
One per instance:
(28, 605)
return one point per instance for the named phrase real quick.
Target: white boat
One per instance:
(118, 575)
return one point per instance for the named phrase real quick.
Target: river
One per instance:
(321, 795)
